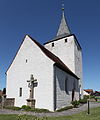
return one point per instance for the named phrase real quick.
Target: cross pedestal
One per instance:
(31, 102)
(31, 84)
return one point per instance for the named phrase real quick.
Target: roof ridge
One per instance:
(53, 57)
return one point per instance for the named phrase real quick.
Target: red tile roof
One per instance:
(88, 90)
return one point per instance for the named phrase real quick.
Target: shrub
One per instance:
(83, 101)
(25, 107)
(28, 108)
(86, 97)
(65, 108)
(97, 97)
(75, 103)
(92, 97)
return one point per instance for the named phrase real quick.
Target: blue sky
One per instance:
(40, 19)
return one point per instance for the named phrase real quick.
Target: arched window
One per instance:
(52, 44)
(20, 92)
(66, 85)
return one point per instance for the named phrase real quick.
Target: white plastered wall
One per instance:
(20, 71)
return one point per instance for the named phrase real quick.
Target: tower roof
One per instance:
(63, 28)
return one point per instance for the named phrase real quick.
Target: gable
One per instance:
(27, 52)
(49, 54)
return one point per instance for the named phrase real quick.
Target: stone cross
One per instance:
(31, 85)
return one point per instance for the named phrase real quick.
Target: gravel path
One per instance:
(64, 113)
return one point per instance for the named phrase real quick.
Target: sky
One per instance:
(40, 19)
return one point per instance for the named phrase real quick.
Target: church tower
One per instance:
(66, 46)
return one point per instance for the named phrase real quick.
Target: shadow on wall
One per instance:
(66, 82)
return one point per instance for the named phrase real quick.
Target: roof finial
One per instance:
(63, 28)
(63, 6)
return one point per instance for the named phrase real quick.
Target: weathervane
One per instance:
(63, 6)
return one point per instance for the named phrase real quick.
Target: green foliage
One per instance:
(98, 97)
(25, 117)
(13, 108)
(75, 103)
(92, 97)
(65, 108)
(83, 101)
(24, 107)
(94, 115)
(28, 108)
(86, 97)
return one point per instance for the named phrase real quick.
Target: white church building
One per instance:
(56, 66)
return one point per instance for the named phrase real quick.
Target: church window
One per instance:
(52, 44)
(26, 60)
(74, 84)
(66, 40)
(66, 85)
(20, 92)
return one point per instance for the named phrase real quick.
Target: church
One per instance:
(46, 76)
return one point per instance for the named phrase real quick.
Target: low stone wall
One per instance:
(9, 102)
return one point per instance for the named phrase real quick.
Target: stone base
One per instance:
(31, 103)
(8, 102)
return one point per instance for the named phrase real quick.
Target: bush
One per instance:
(98, 97)
(86, 97)
(25, 107)
(92, 97)
(13, 108)
(75, 103)
(28, 108)
(65, 108)
(83, 101)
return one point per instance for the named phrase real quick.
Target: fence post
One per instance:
(88, 106)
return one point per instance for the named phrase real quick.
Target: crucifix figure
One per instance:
(31, 84)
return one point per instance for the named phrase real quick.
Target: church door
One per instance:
(73, 94)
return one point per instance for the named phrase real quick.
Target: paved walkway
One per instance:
(64, 113)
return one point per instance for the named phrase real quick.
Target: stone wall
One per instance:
(9, 102)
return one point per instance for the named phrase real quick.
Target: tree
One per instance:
(4, 91)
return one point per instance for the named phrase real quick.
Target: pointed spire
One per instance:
(63, 28)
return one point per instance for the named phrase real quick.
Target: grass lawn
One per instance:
(94, 115)
(8, 117)
(15, 117)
